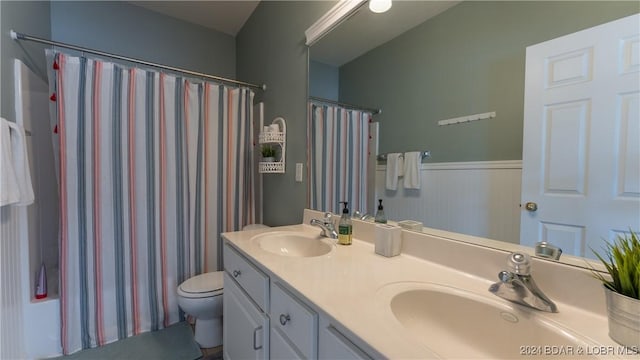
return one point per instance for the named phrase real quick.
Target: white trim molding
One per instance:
(334, 17)
(499, 164)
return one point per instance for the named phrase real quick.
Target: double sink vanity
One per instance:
(292, 293)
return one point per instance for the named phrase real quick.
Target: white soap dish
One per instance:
(410, 225)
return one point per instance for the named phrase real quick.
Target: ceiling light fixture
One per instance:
(379, 6)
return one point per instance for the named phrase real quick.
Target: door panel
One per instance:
(569, 68)
(628, 184)
(565, 145)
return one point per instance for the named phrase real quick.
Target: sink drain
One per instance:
(509, 317)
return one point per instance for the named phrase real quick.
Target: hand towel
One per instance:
(9, 190)
(393, 171)
(15, 177)
(412, 161)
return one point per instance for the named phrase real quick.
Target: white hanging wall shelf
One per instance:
(274, 135)
(468, 118)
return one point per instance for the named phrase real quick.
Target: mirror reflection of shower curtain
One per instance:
(153, 167)
(338, 158)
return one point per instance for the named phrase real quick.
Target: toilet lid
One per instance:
(254, 227)
(203, 283)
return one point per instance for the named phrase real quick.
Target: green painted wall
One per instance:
(125, 29)
(469, 59)
(324, 80)
(30, 17)
(271, 49)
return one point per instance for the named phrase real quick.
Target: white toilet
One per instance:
(201, 297)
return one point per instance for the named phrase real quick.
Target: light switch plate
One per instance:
(298, 172)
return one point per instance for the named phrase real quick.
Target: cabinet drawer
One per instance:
(250, 279)
(297, 322)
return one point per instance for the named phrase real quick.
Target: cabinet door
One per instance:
(245, 328)
(280, 348)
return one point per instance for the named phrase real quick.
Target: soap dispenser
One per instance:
(380, 217)
(345, 227)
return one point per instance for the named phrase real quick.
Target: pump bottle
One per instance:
(380, 216)
(345, 227)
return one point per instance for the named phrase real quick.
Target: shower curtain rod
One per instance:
(20, 36)
(355, 107)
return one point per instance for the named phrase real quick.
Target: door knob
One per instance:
(531, 206)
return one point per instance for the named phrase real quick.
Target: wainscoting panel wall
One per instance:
(11, 302)
(39, 236)
(475, 198)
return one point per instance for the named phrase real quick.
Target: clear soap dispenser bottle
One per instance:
(345, 227)
(380, 217)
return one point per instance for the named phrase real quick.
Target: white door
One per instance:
(581, 145)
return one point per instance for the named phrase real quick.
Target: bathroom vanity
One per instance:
(290, 293)
(269, 320)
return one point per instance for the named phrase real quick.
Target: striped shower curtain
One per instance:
(337, 155)
(152, 168)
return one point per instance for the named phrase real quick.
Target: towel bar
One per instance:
(425, 155)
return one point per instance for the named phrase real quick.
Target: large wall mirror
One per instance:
(434, 66)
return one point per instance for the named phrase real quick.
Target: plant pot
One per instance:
(269, 159)
(624, 318)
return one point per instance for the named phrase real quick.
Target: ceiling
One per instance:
(359, 34)
(367, 30)
(224, 16)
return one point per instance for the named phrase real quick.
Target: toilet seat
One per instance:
(201, 286)
(254, 227)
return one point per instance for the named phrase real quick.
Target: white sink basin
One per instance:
(455, 323)
(293, 244)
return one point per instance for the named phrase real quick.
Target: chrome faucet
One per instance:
(517, 285)
(547, 250)
(360, 216)
(326, 224)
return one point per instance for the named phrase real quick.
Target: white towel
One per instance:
(412, 161)
(15, 178)
(393, 170)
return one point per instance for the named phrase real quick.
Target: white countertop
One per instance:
(350, 284)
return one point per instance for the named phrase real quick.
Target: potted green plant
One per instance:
(268, 153)
(622, 291)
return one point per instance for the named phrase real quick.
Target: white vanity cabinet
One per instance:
(245, 323)
(264, 319)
